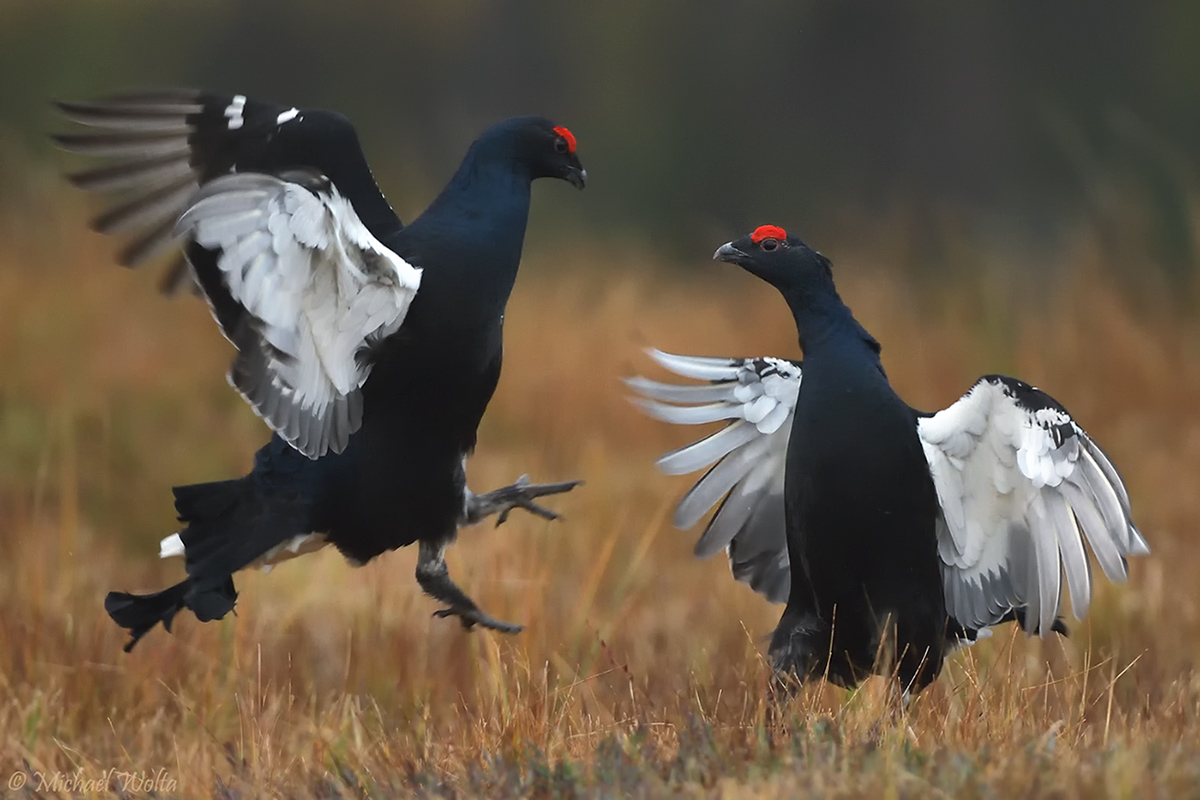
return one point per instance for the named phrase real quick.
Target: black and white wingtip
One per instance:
(1023, 488)
(734, 393)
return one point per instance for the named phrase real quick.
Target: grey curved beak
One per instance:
(577, 178)
(727, 252)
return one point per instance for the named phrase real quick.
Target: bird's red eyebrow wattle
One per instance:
(566, 134)
(767, 232)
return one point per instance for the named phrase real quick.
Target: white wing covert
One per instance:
(317, 289)
(747, 456)
(1021, 487)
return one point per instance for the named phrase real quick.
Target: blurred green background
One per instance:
(1008, 122)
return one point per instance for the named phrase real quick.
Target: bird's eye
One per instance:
(768, 244)
(561, 146)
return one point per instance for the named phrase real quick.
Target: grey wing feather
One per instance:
(755, 555)
(149, 133)
(747, 458)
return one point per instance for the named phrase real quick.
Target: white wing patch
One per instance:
(234, 112)
(757, 397)
(318, 287)
(1021, 487)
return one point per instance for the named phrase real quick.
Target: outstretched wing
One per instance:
(747, 457)
(283, 226)
(301, 288)
(163, 145)
(1021, 487)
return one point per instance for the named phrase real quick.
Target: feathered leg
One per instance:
(435, 581)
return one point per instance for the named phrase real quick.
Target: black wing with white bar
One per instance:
(1022, 487)
(283, 227)
(747, 456)
(304, 289)
(163, 145)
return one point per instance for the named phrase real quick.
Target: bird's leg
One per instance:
(799, 651)
(518, 495)
(435, 581)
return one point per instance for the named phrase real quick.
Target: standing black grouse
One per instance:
(870, 519)
(370, 348)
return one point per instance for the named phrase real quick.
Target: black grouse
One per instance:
(370, 348)
(884, 529)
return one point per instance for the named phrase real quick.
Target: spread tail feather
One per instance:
(230, 525)
(139, 613)
(211, 513)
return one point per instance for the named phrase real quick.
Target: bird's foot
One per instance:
(518, 495)
(435, 581)
(470, 616)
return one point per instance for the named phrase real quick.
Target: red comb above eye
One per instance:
(767, 232)
(566, 134)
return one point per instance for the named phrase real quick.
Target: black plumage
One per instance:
(371, 348)
(893, 535)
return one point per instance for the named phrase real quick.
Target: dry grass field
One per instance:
(640, 672)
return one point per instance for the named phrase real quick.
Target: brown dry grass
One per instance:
(640, 671)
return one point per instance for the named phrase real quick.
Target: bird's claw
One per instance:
(520, 494)
(528, 505)
(470, 617)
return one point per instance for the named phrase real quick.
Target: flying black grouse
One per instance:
(370, 348)
(872, 518)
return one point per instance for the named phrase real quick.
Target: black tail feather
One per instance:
(208, 509)
(228, 524)
(139, 613)
(211, 513)
(207, 500)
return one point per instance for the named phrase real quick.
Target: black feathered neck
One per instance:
(485, 206)
(822, 319)
(469, 240)
(499, 162)
(493, 177)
